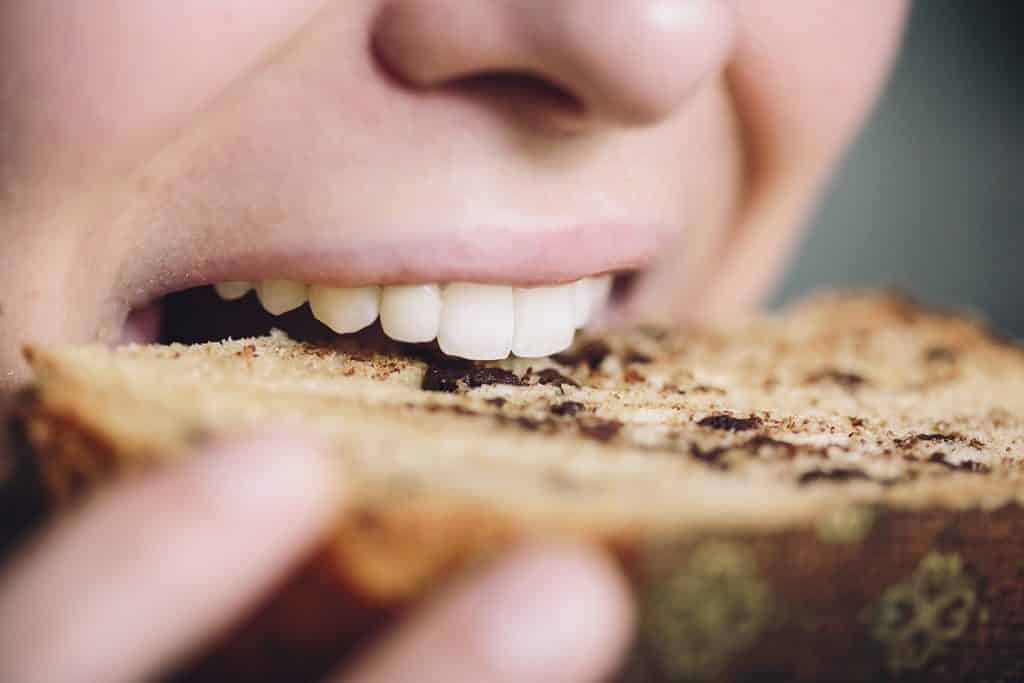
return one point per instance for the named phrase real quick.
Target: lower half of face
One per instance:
(475, 173)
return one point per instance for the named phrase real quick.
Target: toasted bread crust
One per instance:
(919, 581)
(809, 604)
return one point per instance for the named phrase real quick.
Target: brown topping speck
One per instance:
(752, 447)
(728, 423)
(249, 350)
(633, 377)
(448, 379)
(438, 379)
(939, 458)
(761, 441)
(711, 456)
(552, 376)
(935, 437)
(483, 376)
(848, 380)
(592, 354)
(567, 408)
(633, 356)
(438, 408)
(323, 351)
(497, 402)
(839, 476)
(599, 429)
(909, 441)
(529, 424)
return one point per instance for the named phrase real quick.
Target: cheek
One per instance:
(805, 77)
(77, 76)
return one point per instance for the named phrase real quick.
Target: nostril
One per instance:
(472, 50)
(520, 88)
(507, 84)
(575, 64)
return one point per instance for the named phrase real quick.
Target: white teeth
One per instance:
(601, 289)
(474, 321)
(582, 302)
(229, 291)
(281, 296)
(544, 321)
(411, 313)
(589, 295)
(345, 310)
(477, 321)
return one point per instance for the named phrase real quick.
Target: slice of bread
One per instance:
(828, 494)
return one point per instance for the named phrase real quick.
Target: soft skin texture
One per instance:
(152, 146)
(147, 147)
(134, 599)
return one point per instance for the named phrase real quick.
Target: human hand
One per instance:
(149, 572)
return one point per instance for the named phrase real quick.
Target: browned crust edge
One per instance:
(874, 595)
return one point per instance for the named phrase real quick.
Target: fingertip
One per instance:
(543, 613)
(556, 612)
(272, 467)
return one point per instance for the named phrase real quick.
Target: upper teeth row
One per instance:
(475, 321)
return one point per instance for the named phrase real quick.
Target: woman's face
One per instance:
(148, 147)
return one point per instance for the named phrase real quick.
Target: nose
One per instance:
(619, 63)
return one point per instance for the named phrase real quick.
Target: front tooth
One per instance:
(477, 321)
(544, 321)
(411, 313)
(582, 302)
(229, 291)
(600, 290)
(281, 296)
(345, 310)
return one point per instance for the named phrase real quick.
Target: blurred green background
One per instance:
(931, 198)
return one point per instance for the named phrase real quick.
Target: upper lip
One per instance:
(499, 256)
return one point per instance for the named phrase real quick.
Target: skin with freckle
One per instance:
(151, 147)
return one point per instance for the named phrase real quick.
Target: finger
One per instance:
(150, 571)
(545, 614)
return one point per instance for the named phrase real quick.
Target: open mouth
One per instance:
(479, 295)
(465, 320)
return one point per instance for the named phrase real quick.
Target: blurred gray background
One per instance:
(931, 198)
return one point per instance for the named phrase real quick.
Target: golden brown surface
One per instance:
(718, 444)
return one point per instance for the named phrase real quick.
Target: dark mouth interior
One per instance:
(622, 287)
(198, 315)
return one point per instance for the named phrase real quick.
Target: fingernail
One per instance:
(547, 612)
(271, 469)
